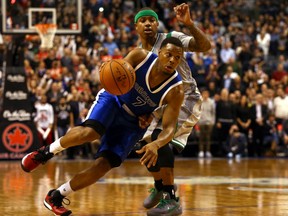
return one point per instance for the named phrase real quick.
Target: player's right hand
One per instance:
(150, 154)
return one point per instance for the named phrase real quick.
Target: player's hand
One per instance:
(183, 14)
(145, 120)
(150, 154)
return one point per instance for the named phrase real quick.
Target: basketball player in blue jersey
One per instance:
(146, 24)
(115, 119)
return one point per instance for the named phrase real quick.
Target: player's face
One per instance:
(170, 57)
(146, 26)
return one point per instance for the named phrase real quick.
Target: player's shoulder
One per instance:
(136, 56)
(139, 51)
(175, 34)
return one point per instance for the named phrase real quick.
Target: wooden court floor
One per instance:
(216, 187)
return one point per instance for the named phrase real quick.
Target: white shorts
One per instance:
(189, 115)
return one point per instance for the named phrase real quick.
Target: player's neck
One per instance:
(157, 76)
(158, 72)
(148, 43)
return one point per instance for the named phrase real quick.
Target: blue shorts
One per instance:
(122, 129)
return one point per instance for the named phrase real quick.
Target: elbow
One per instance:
(206, 46)
(202, 47)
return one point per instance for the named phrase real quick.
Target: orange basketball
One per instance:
(117, 76)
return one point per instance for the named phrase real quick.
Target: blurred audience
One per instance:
(247, 63)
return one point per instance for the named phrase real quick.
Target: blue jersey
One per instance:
(141, 99)
(116, 117)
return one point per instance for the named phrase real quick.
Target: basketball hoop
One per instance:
(46, 33)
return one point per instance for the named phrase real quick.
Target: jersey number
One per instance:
(139, 102)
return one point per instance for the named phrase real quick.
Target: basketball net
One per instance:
(46, 33)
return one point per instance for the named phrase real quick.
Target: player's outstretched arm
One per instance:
(199, 42)
(173, 100)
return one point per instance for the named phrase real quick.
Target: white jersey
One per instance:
(191, 107)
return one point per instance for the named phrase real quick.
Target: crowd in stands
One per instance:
(243, 75)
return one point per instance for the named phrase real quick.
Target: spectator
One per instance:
(270, 133)
(225, 116)
(44, 120)
(213, 75)
(282, 60)
(206, 125)
(245, 55)
(238, 85)
(50, 58)
(227, 52)
(280, 105)
(228, 79)
(63, 117)
(243, 118)
(41, 69)
(269, 99)
(280, 75)
(259, 113)
(66, 60)
(213, 89)
(110, 45)
(236, 143)
(263, 41)
(257, 59)
(54, 94)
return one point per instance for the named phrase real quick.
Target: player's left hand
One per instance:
(145, 120)
(183, 13)
(150, 154)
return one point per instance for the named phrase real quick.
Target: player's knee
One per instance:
(166, 157)
(155, 168)
(87, 134)
(113, 159)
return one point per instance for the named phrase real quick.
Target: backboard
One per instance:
(21, 16)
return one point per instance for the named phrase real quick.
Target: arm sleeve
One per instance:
(185, 39)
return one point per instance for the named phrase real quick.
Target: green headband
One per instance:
(145, 13)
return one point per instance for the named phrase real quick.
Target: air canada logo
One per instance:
(17, 137)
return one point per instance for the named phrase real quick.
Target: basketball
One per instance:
(117, 76)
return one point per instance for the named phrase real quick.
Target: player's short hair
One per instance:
(171, 40)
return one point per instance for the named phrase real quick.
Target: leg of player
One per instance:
(166, 164)
(76, 136)
(163, 175)
(56, 197)
(164, 192)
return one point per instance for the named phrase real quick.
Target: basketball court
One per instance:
(215, 187)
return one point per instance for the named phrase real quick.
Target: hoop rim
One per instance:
(42, 27)
(46, 24)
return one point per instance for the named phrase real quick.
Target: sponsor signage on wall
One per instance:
(18, 132)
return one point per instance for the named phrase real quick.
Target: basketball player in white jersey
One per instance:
(146, 24)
